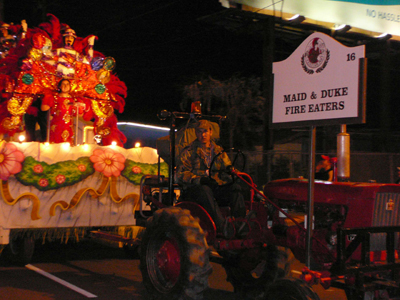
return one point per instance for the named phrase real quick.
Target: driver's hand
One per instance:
(208, 181)
(230, 169)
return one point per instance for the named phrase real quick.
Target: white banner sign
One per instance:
(319, 81)
(373, 15)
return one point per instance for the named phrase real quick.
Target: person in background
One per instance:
(62, 111)
(34, 115)
(67, 59)
(398, 175)
(324, 169)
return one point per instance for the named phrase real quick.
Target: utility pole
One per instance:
(268, 59)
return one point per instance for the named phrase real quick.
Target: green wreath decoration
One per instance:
(47, 177)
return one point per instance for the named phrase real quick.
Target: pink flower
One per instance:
(43, 182)
(38, 169)
(10, 160)
(82, 168)
(108, 162)
(60, 179)
(136, 170)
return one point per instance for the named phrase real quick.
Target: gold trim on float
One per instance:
(104, 110)
(117, 199)
(18, 107)
(6, 195)
(95, 194)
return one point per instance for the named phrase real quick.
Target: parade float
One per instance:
(60, 186)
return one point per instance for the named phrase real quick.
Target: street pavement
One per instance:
(88, 270)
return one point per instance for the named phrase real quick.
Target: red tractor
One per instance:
(353, 246)
(355, 235)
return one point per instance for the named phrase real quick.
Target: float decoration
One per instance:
(112, 165)
(10, 160)
(134, 171)
(95, 194)
(78, 196)
(6, 195)
(10, 164)
(49, 53)
(47, 177)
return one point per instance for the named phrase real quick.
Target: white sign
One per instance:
(319, 81)
(373, 15)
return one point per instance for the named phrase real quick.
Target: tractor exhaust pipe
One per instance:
(343, 154)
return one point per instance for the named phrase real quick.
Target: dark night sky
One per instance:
(159, 45)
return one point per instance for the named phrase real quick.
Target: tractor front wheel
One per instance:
(174, 258)
(251, 271)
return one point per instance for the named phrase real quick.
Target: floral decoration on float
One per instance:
(108, 163)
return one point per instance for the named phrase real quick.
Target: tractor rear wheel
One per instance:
(251, 271)
(290, 289)
(174, 258)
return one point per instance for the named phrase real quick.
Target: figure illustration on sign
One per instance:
(315, 57)
(314, 51)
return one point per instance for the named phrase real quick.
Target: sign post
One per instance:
(310, 200)
(321, 83)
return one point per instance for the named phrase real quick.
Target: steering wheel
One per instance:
(238, 153)
(235, 162)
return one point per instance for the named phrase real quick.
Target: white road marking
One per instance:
(63, 282)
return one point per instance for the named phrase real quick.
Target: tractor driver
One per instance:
(193, 174)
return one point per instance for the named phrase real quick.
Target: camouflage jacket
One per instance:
(193, 163)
